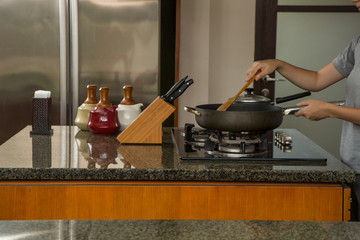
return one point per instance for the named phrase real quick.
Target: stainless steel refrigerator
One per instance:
(64, 45)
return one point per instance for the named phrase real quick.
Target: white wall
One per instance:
(217, 39)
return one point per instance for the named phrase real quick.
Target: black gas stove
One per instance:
(277, 146)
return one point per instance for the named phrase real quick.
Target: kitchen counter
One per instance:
(74, 174)
(175, 229)
(99, 157)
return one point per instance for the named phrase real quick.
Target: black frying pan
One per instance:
(239, 117)
(243, 117)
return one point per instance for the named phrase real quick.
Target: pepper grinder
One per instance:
(83, 113)
(128, 110)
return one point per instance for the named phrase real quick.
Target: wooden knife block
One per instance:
(147, 127)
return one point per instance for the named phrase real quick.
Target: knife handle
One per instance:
(174, 88)
(180, 91)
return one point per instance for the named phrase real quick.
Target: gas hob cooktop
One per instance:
(280, 146)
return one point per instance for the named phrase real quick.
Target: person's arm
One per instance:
(303, 78)
(312, 81)
(349, 114)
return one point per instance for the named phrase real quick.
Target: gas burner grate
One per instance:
(224, 154)
(233, 138)
(227, 144)
(195, 145)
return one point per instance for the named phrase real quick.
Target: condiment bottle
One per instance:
(103, 118)
(83, 113)
(128, 110)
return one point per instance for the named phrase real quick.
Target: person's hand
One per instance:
(313, 109)
(265, 66)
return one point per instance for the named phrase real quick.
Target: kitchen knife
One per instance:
(173, 89)
(180, 90)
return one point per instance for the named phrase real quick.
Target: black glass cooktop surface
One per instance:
(302, 150)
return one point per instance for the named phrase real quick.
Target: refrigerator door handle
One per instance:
(74, 52)
(63, 45)
(74, 70)
(64, 80)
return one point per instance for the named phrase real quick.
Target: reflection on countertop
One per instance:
(97, 149)
(177, 229)
(69, 147)
(71, 154)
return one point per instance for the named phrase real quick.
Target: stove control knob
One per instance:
(287, 140)
(283, 138)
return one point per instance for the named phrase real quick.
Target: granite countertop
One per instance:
(177, 229)
(71, 154)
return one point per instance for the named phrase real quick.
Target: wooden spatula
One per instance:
(228, 103)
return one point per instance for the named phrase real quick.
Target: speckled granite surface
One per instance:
(178, 229)
(96, 157)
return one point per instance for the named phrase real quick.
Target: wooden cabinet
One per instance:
(25, 200)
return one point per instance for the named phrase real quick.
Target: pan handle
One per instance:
(192, 110)
(292, 97)
(292, 110)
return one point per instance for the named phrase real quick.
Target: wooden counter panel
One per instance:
(171, 200)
